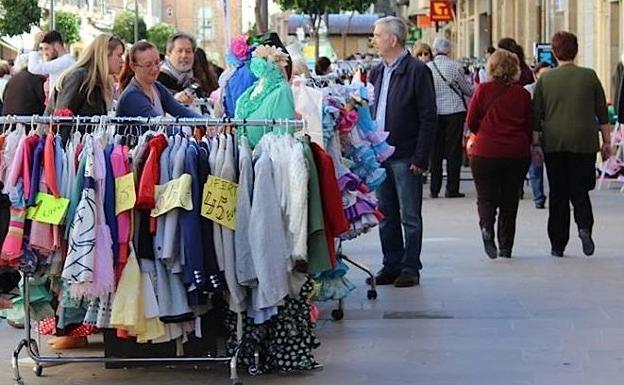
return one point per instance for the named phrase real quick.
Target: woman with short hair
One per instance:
(500, 116)
(570, 107)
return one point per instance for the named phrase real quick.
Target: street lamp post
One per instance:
(52, 16)
(136, 20)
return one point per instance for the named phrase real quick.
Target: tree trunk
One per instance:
(261, 22)
(345, 33)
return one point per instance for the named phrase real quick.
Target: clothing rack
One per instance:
(147, 121)
(29, 344)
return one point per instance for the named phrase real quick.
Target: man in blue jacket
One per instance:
(405, 106)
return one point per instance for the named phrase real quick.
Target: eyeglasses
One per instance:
(148, 65)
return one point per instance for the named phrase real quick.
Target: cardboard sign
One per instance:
(173, 194)
(125, 194)
(49, 209)
(219, 201)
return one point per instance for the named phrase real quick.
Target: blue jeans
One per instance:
(400, 201)
(536, 177)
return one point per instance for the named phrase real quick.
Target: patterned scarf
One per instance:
(183, 78)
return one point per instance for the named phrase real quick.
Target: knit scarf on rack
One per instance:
(181, 77)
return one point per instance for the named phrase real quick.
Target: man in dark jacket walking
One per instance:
(405, 106)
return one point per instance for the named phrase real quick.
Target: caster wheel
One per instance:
(38, 370)
(237, 383)
(253, 371)
(371, 294)
(337, 314)
(20, 382)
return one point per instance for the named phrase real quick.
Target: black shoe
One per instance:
(383, 278)
(488, 243)
(407, 280)
(586, 240)
(504, 253)
(556, 253)
(454, 195)
(540, 205)
(434, 195)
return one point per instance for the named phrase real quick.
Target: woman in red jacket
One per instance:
(500, 114)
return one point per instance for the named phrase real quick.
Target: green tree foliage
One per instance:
(67, 24)
(18, 16)
(124, 27)
(159, 33)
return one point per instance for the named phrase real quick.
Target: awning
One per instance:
(360, 24)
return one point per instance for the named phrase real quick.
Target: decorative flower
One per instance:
(239, 47)
(271, 54)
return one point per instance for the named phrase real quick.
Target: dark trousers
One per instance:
(447, 145)
(570, 177)
(400, 201)
(497, 182)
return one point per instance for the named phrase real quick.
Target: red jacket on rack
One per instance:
(334, 217)
(151, 174)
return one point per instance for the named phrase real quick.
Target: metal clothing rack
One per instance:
(28, 343)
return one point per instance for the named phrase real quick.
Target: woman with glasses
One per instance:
(142, 94)
(422, 52)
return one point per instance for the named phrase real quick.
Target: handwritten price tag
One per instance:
(49, 209)
(125, 194)
(173, 194)
(219, 201)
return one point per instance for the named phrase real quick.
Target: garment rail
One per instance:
(29, 343)
(142, 121)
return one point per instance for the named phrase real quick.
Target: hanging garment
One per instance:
(268, 243)
(333, 215)
(237, 293)
(245, 269)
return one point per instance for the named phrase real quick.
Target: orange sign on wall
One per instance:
(423, 21)
(441, 11)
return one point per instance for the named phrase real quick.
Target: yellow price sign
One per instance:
(219, 201)
(173, 194)
(48, 209)
(125, 193)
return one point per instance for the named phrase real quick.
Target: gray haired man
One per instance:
(451, 86)
(405, 107)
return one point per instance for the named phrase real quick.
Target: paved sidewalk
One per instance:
(531, 320)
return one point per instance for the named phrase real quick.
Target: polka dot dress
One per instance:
(285, 342)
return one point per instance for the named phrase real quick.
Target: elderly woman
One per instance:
(143, 95)
(569, 104)
(500, 116)
(422, 51)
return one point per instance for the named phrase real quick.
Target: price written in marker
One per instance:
(48, 209)
(125, 193)
(219, 201)
(173, 194)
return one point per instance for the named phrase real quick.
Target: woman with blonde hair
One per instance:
(500, 116)
(86, 88)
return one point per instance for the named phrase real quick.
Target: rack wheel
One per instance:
(237, 382)
(38, 370)
(337, 314)
(371, 294)
(19, 382)
(253, 371)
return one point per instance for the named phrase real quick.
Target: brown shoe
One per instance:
(407, 280)
(383, 278)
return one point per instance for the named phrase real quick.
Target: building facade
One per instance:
(599, 25)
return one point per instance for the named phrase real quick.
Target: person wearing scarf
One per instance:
(176, 71)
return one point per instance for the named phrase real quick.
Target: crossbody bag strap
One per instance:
(456, 91)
